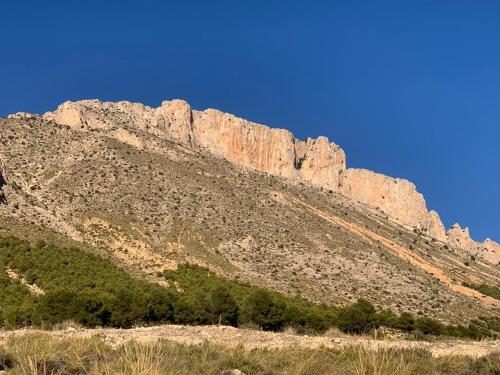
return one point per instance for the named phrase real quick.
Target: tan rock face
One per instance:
(460, 238)
(491, 251)
(94, 114)
(396, 197)
(244, 143)
(321, 162)
(174, 119)
(21, 115)
(435, 227)
(273, 151)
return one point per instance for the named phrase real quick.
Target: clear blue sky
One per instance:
(407, 88)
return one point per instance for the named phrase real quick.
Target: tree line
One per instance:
(93, 291)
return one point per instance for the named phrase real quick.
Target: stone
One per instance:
(396, 197)
(274, 151)
(435, 227)
(245, 143)
(459, 238)
(173, 119)
(21, 115)
(321, 162)
(96, 115)
(491, 251)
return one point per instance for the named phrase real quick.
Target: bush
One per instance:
(358, 318)
(262, 309)
(429, 326)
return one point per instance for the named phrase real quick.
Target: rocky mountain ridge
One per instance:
(269, 150)
(132, 193)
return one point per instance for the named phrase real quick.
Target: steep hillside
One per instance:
(273, 151)
(145, 190)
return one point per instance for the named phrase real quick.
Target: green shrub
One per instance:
(429, 326)
(262, 309)
(359, 318)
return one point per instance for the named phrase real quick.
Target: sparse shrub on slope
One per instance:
(489, 290)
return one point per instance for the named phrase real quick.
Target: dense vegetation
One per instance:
(78, 286)
(489, 290)
(204, 292)
(93, 291)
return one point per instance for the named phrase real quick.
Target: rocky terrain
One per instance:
(155, 187)
(273, 151)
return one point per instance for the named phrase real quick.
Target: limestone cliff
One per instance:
(460, 239)
(491, 251)
(396, 197)
(273, 151)
(435, 227)
(242, 142)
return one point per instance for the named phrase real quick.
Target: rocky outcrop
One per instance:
(435, 227)
(396, 197)
(245, 143)
(97, 115)
(21, 115)
(321, 162)
(174, 119)
(242, 142)
(491, 251)
(459, 238)
(273, 151)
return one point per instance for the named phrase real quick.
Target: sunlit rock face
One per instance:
(491, 251)
(435, 227)
(396, 197)
(459, 237)
(273, 151)
(242, 142)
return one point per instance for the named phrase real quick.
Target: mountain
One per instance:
(155, 187)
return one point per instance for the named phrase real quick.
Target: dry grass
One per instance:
(42, 354)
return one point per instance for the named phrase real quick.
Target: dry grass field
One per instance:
(223, 350)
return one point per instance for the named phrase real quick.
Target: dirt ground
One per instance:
(251, 339)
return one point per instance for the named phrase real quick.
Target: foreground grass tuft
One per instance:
(45, 354)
